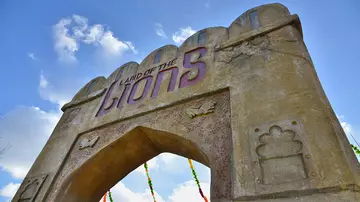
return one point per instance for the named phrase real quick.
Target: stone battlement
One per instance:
(244, 101)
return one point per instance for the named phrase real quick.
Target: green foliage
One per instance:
(356, 150)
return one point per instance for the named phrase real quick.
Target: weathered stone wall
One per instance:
(244, 100)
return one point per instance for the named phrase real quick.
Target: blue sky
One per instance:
(50, 49)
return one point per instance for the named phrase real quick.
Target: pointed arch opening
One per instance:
(116, 160)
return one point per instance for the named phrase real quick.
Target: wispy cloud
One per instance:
(9, 190)
(188, 191)
(160, 30)
(43, 82)
(70, 32)
(47, 92)
(65, 44)
(351, 134)
(181, 35)
(25, 126)
(20, 128)
(32, 56)
(122, 193)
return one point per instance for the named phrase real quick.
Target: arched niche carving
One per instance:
(91, 87)
(124, 70)
(267, 14)
(213, 35)
(167, 53)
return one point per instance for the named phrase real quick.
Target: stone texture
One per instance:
(272, 135)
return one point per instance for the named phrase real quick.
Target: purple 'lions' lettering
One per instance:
(146, 89)
(103, 109)
(159, 79)
(129, 88)
(186, 79)
(123, 96)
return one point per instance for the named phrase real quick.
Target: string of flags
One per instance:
(151, 185)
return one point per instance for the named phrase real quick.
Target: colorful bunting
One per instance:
(149, 181)
(104, 198)
(151, 187)
(110, 197)
(197, 180)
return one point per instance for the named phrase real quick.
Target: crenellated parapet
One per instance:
(133, 82)
(244, 101)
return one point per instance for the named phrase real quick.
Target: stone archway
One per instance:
(116, 160)
(101, 157)
(246, 97)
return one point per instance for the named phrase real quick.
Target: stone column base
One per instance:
(333, 194)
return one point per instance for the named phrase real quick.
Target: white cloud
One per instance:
(181, 35)
(168, 158)
(121, 193)
(188, 191)
(160, 31)
(181, 192)
(349, 131)
(47, 92)
(32, 56)
(346, 126)
(131, 47)
(170, 163)
(9, 190)
(81, 26)
(26, 126)
(43, 82)
(66, 43)
(94, 34)
(113, 45)
(20, 128)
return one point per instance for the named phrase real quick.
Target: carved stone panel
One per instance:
(245, 49)
(30, 188)
(71, 115)
(280, 156)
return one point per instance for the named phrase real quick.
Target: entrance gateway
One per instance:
(244, 101)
